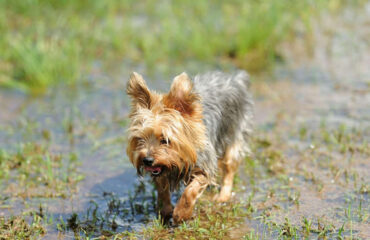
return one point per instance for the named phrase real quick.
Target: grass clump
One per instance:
(210, 222)
(19, 227)
(46, 42)
(34, 171)
(37, 64)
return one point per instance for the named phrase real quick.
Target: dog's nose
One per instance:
(148, 161)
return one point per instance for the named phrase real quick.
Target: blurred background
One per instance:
(45, 42)
(64, 65)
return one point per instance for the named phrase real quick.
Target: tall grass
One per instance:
(44, 42)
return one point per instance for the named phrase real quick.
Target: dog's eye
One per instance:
(165, 141)
(139, 140)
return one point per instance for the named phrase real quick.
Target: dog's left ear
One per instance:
(181, 96)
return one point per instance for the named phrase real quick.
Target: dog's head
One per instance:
(166, 130)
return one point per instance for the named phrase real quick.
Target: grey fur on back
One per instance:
(228, 113)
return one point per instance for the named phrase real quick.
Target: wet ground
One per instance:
(314, 116)
(311, 159)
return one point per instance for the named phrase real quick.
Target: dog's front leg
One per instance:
(184, 207)
(164, 198)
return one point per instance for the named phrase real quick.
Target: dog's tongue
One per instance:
(155, 170)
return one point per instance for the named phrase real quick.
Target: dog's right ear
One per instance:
(138, 91)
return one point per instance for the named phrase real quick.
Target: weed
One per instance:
(348, 212)
(34, 171)
(307, 226)
(250, 236)
(22, 227)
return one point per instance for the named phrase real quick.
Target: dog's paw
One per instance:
(166, 214)
(181, 214)
(221, 197)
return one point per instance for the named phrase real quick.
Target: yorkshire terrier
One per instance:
(186, 134)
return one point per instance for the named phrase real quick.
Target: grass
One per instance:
(47, 42)
(276, 184)
(34, 171)
(30, 226)
(279, 193)
(294, 172)
(210, 222)
(271, 211)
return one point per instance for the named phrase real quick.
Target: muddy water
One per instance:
(326, 85)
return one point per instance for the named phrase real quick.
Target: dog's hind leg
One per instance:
(229, 165)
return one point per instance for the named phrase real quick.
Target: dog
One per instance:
(188, 133)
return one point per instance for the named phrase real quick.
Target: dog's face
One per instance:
(166, 130)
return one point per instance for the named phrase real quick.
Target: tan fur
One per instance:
(176, 116)
(185, 206)
(229, 165)
(164, 198)
(169, 128)
(160, 118)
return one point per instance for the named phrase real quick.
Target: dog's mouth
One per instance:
(154, 170)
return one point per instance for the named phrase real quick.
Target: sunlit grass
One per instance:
(41, 63)
(46, 42)
(34, 171)
(21, 227)
(211, 221)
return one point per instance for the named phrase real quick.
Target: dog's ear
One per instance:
(181, 96)
(138, 91)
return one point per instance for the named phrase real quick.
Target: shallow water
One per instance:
(88, 120)
(322, 88)
(320, 93)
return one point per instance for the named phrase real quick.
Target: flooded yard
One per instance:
(63, 161)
